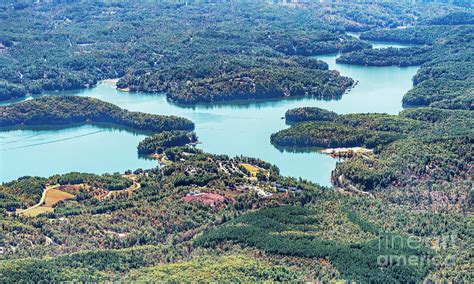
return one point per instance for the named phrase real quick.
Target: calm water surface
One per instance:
(241, 128)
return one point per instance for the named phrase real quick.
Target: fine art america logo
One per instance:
(396, 242)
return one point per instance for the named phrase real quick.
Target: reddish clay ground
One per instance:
(207, 198)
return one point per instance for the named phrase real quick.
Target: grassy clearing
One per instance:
(33, 212)
(253, 170)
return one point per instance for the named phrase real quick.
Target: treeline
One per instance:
(309, 114)
(388, 56)
(73, 109)
(158, 143)
(105, 181)
(330, 135)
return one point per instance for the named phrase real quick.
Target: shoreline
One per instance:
(346, 152)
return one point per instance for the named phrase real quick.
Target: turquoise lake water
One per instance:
(237, 128)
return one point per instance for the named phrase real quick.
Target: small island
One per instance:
(309, 114)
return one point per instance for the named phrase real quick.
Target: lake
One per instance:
(236, 128)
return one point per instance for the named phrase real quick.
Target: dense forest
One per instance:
(309, 114)
(331, 135)
(399, 213)
(388, 56)
(194, 53)
(321, 128)
(158, 143)
(66, 110)
(287, 230)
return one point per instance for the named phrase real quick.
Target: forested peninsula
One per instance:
(368, 130)
(444, 137)
(168, 131)
(66, 110)
(158, 143)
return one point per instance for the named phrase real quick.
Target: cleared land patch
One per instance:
(253, 170)
(33, 212)
(50, 197)
(53, 196)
